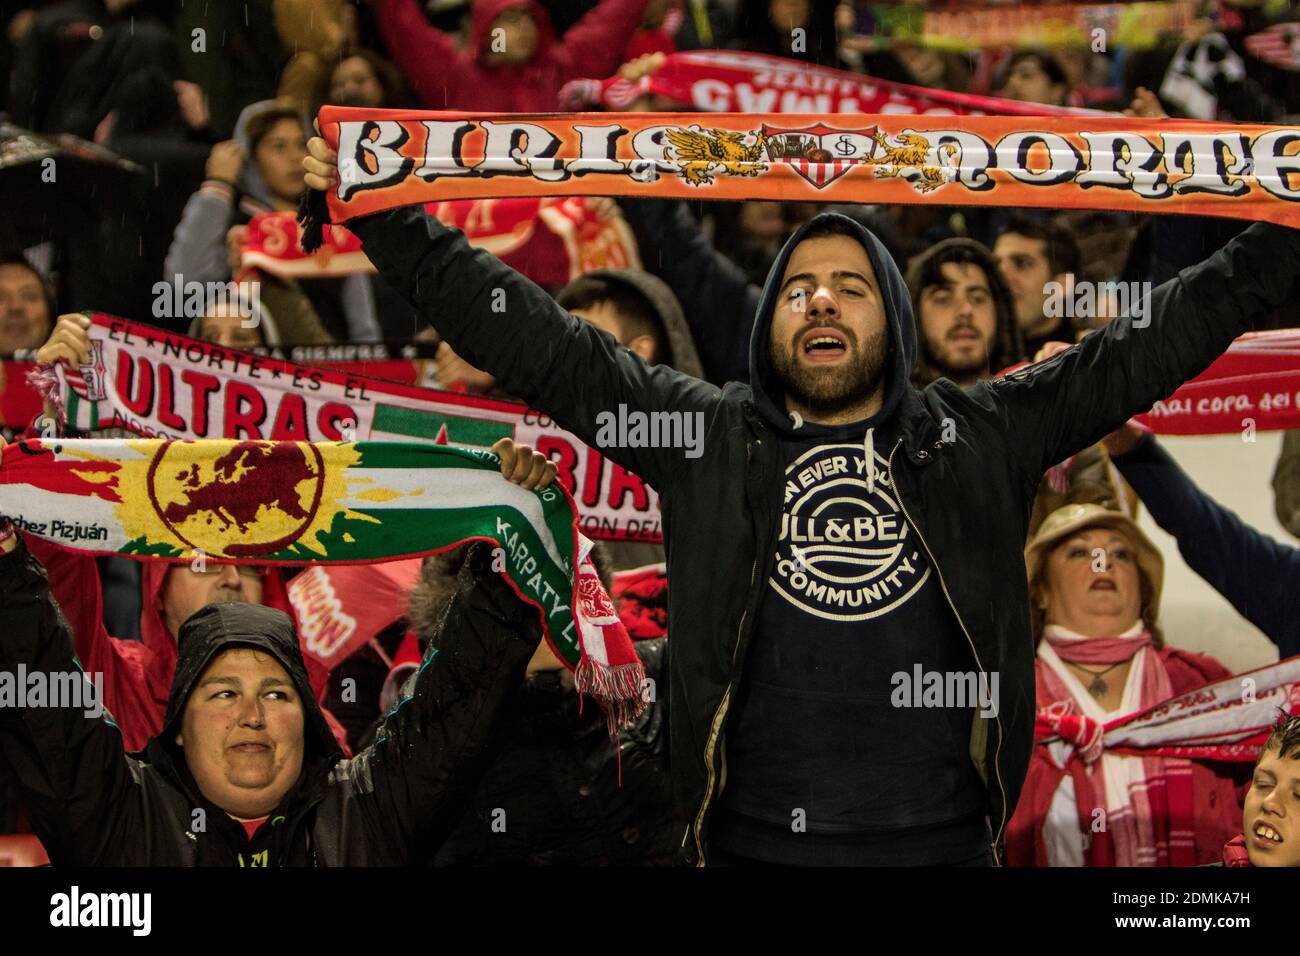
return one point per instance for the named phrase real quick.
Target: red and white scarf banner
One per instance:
(723, 81)
(1278, 45)
(271, 243)
(161, 385)
(1257, 379)
(551, 241)
(393, 158)
(340, 609)
(1227, 720)
(1255, 385)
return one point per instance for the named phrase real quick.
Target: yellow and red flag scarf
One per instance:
(300, 503)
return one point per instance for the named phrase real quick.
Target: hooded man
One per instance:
(826, 547)
(245, 771)
(512, 61)
(964, 312)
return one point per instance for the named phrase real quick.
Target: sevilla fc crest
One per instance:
(88, 380)
(820, 154)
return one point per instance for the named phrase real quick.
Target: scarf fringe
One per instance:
(45, 380)
(617, 690)
(313, 214)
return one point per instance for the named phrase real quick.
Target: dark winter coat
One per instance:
(967, 499)
(392, 804)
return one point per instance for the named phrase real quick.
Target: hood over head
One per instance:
(1008, 346)
(485, 12)
(250, 179)
(769, 393)
(682, 353)
(218, 627)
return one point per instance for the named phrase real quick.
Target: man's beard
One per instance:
(952, 363)
(828, 391)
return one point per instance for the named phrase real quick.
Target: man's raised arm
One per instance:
(501, 322)
(1080, 395)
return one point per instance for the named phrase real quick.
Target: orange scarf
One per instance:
(392, 158)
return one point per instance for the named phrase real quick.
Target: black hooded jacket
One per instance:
(967, 499)
(824, 768)
(392, 804)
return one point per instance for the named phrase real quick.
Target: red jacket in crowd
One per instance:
(1216, 790)
(445, 76)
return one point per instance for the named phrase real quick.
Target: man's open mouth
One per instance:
(824, 346)
(251, 748)
(1266, 835)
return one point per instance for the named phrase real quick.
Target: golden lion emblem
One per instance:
(703, 153)
(905, 158)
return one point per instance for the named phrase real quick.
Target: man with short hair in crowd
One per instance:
(964, 313)
(1031, 253)
(828, 539)
(1270, 835)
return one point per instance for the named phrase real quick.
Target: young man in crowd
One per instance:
(1269, 834)
(1031, 253)
(1034, 76)
(964, 313)
(821, 544)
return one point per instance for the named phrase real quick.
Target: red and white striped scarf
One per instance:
(1147, 800)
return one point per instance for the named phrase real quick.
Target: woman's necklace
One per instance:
(1098, 687)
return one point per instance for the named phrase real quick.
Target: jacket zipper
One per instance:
(723, 705)
(997, 768)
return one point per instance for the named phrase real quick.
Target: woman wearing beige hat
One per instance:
(1094, 585)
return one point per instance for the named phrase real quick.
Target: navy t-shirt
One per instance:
(822, 765)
